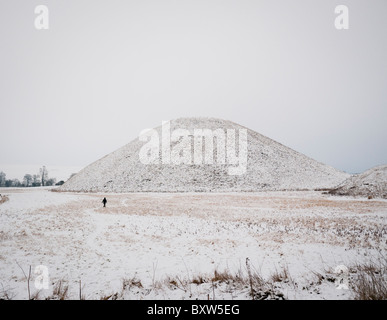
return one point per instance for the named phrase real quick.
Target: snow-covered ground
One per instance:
(153, 245)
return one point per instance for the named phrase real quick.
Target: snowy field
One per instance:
(186, 245)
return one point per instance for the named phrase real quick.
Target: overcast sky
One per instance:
(106, 70)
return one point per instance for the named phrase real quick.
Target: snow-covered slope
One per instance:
(270, 166)
(371, 183)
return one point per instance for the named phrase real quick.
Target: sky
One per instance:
(106, 70)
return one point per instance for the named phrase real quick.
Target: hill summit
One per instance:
(203, 155)
(371, 183)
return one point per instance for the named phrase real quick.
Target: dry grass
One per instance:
(3, 199)
(289, 219)
(6, 293)
(128, 284)
(370, 282)
(199, 279)
(320, 277)
(177, 283)
(224, 276)
(248, 280)
(269, 219)
(60, 291)
(222, 205)
(112, 296)
(281, 276)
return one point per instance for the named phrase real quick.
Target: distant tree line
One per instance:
(30, 180)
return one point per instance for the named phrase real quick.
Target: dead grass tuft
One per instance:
(60, 291)
(223, 276)
(370, 282)
(127, 284)
(3, 199)
(6, 293)
(177, 283)
(281, 276)
(199, 279)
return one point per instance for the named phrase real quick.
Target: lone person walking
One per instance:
(104, 202)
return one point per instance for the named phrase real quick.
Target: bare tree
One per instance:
(8, 183)
(2, 179)
(16, 183)
(27, 180)
(50, 182)
(36, 182)
(43, 175)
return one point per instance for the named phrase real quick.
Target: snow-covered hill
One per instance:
(270, 166)
(371, 183)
